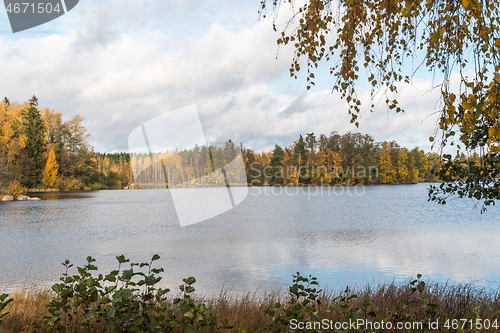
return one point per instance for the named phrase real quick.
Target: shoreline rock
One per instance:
(6, 198)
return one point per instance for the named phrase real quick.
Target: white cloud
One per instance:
(121, 65)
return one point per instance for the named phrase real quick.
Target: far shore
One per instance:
(30, 192)
(153, 186)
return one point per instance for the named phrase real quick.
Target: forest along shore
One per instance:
(38, 150)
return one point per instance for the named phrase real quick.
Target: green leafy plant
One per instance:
(304, 306)
(303, 299)
(126, 300)
(3, 304)
(414, 305)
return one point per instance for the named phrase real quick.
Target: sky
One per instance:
(121, 63)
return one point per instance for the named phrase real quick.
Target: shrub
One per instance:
(97, 186)
(303, 299)
(126, 301)
(69, 184)
(15, 189)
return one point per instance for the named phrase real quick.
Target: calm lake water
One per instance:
(358, 236)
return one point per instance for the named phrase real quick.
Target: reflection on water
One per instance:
(387, 233)
(60, 195)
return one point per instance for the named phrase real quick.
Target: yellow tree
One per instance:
(386, 169)
(12, 140)
(321, 169)
(412, 171)
(423, 164)
(334, 163)
(51, 170)
(402, 167)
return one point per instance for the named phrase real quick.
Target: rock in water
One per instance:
(8, 198)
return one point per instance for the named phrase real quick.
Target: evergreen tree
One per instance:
(286, 164)
(7, 102)
(34, 131)
(300, 159)
(276, 170)
(311, 145)
(300, 151)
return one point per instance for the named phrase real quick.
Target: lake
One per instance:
(344, 236)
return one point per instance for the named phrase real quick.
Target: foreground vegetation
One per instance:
(128, 300)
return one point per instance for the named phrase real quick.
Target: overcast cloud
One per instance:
(119, 63)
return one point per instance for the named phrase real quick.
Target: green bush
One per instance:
(126, 301)
(303, 299)
(303, 305)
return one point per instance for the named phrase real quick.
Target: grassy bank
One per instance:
(113, 302)
(249, 313)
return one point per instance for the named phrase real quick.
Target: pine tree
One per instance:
(300, 151)
(6, 102)
(276, 171)
(311, 145)
(51, 170)
(34, 130)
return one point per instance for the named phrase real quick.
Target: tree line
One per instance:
(351, 158)
(40, 150)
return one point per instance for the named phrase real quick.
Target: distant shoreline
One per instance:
(49, 190)
(52, 190)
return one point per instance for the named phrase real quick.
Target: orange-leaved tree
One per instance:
(51, 170)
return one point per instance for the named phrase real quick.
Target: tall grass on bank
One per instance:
(117, 303)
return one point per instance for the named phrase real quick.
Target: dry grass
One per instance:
(27, 306)
(247, 313)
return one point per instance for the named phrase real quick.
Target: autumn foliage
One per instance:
(40, 150)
